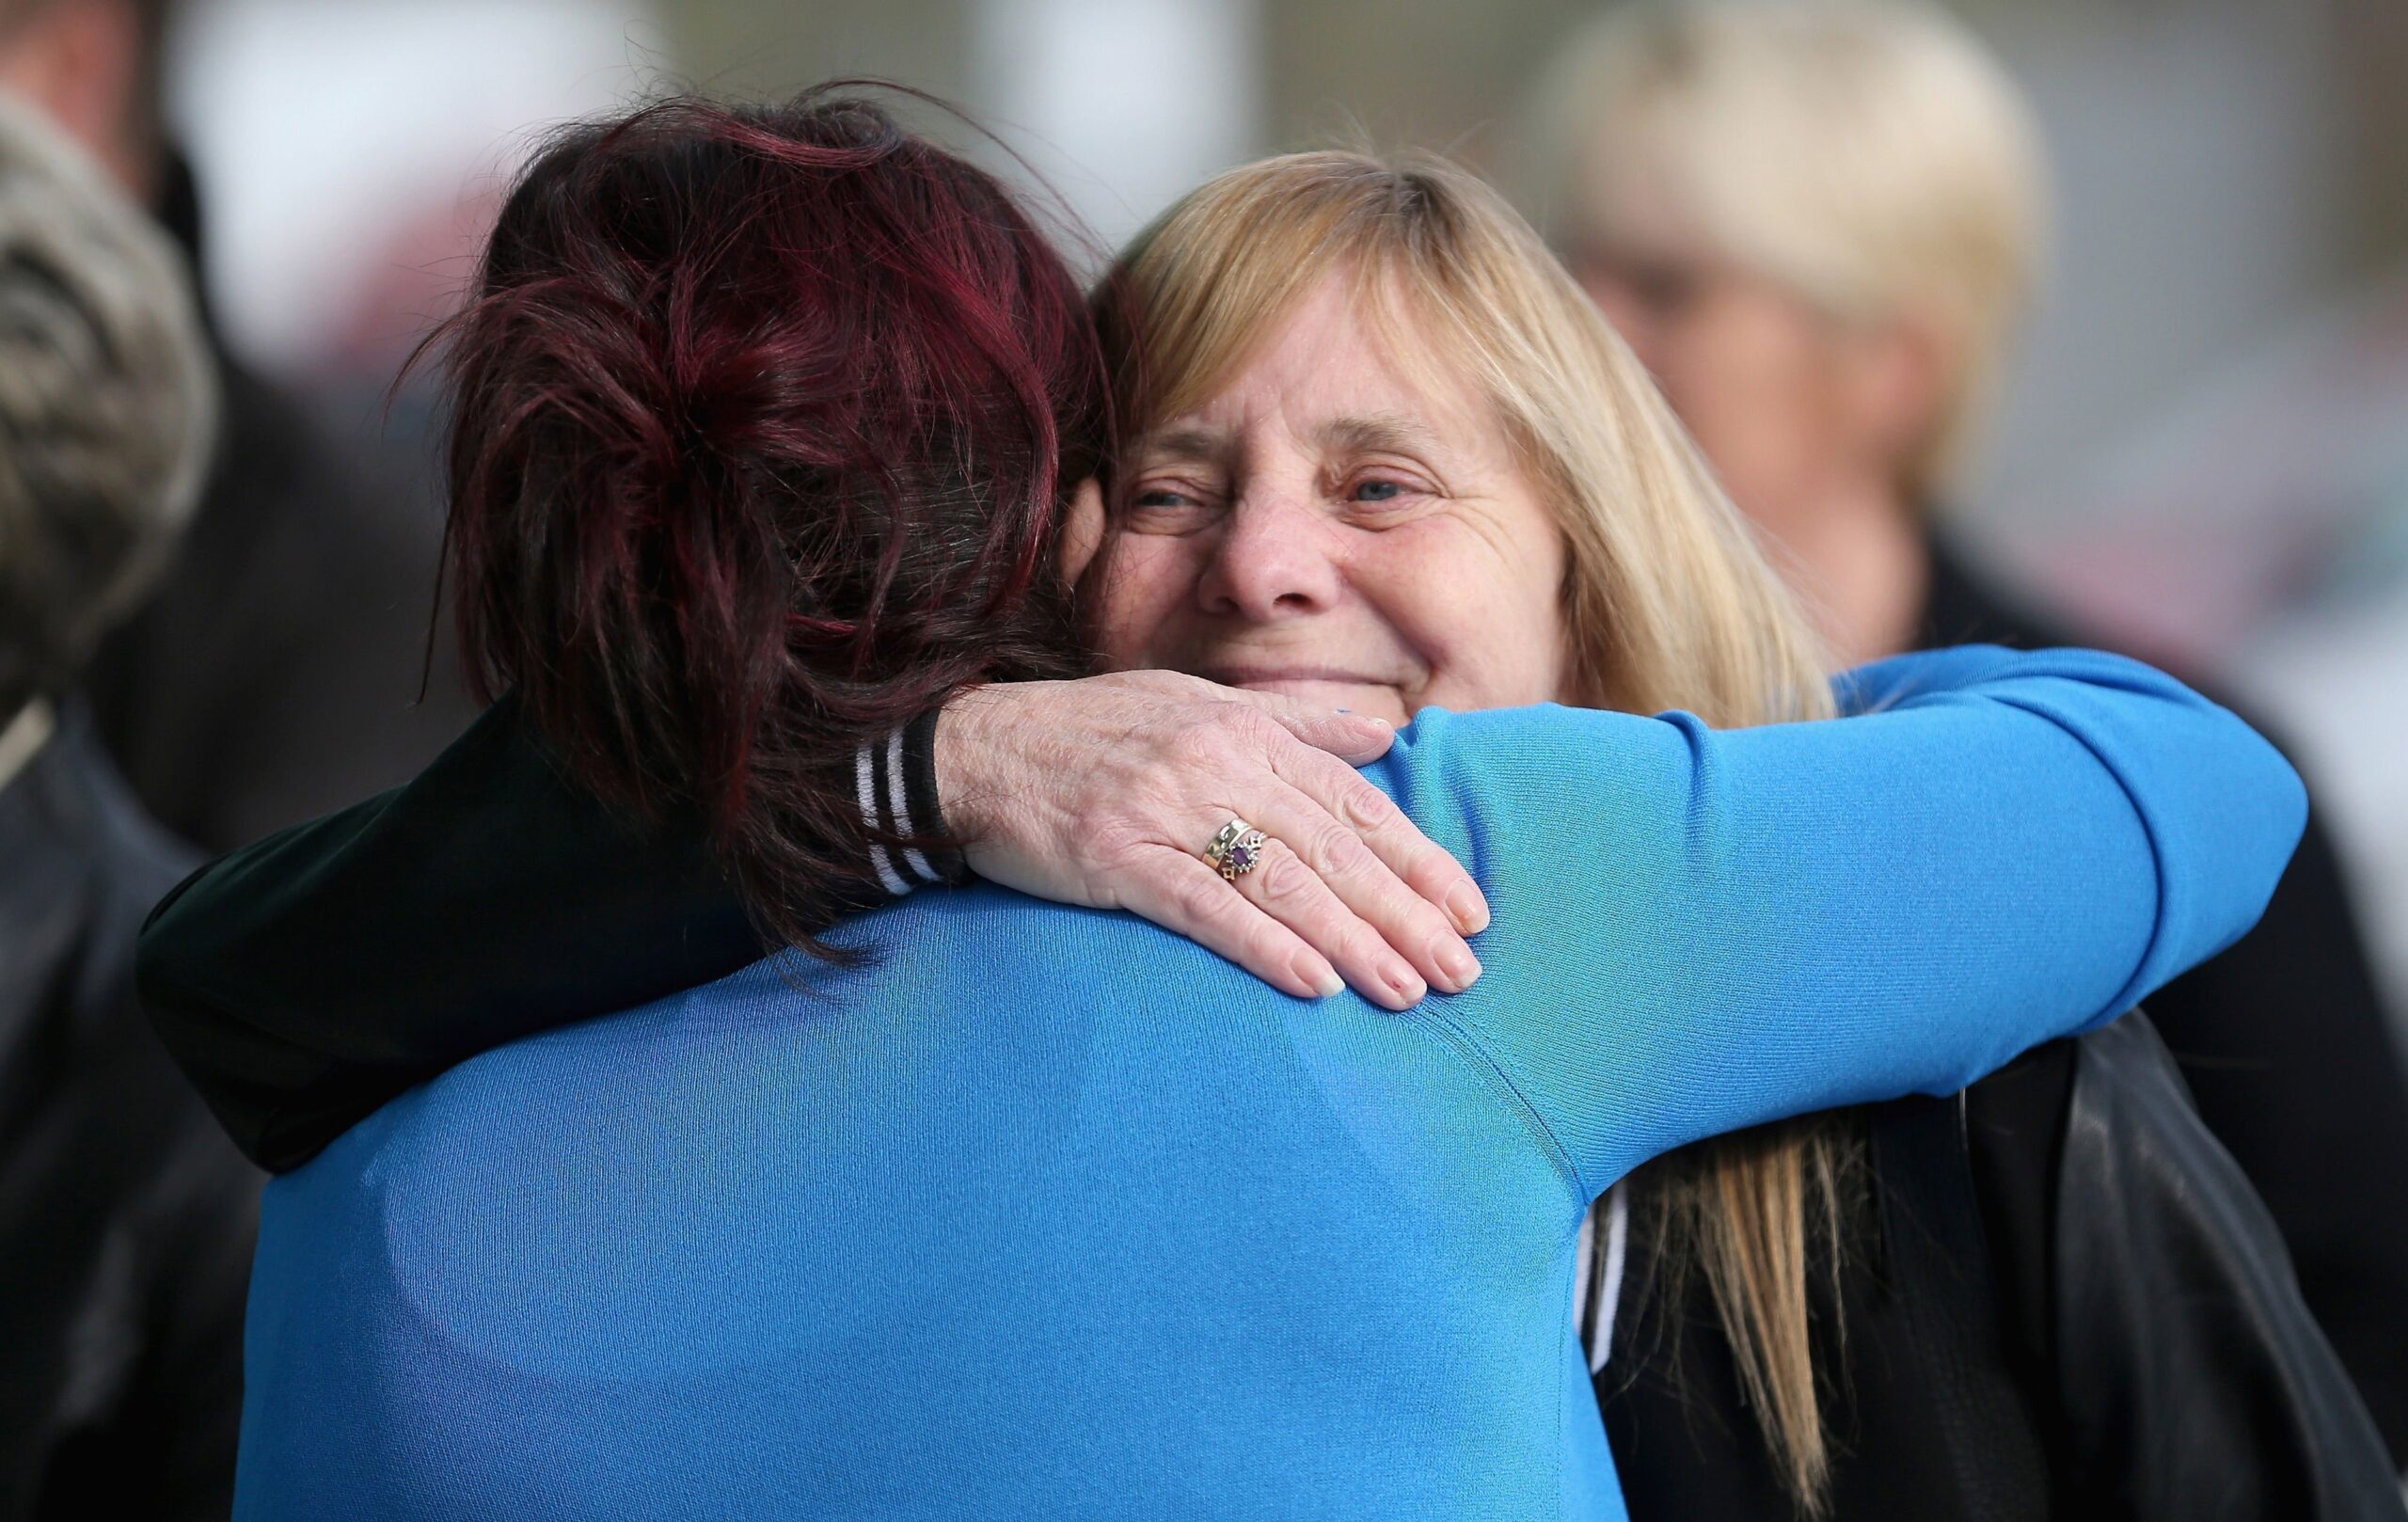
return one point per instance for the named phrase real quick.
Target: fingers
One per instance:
(1350, 893)
(1394, 840)
(1339, 744)
(1320, 879)
(1279, 922)
(1183, 895)
(1286, 891)
(1354, 738)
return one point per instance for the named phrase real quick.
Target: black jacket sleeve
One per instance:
(303, 981)
(2193, 1381)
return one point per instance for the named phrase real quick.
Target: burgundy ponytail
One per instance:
(761, 422)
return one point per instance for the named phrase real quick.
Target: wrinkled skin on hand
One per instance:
(1105, 792)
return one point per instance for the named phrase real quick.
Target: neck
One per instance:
(1857, 560)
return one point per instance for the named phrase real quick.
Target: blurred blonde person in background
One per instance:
(1819, 224)
(126, 1218)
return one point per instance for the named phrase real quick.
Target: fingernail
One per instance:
(1468, 908)
(1319, 976)
(1455, 959)
(1406, 983)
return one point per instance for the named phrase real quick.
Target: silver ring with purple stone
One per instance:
(1236, 850)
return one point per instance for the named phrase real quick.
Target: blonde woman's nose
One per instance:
(1275, 559)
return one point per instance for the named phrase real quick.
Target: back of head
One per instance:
(1869, 155)
(107, 407)
(1668, 602)
(760, 419)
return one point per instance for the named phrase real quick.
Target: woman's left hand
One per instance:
(1105, 791)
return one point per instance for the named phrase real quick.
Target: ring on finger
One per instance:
(1236, 850)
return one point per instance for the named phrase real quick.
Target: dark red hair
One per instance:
(761, 422)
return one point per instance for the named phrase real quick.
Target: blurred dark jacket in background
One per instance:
(129, 1215)
(2286, 1046)
(274, 673)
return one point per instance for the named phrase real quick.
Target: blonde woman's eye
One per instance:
(1376, 489)
(1166, 510)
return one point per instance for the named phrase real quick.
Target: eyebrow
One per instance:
(1388, 431)
(1185, 444)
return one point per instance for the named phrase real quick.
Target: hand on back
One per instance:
(1106, 791)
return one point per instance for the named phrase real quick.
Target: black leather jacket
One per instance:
(2192, 1381)
(2061, 1301)
(126, 1217)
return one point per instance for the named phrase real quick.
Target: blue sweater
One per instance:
(1044, 1212)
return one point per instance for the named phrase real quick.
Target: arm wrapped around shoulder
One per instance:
(2222, 809)
(1699, 929)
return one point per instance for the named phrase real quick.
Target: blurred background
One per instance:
(2204, 448)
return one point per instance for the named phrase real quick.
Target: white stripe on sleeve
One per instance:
(865, 787)
(902, 801)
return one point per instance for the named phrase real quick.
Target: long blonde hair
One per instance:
(1668, 602)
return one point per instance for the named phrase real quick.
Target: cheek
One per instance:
(1483, 609)
(1528, 615)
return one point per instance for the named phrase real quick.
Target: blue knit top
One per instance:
(1044, 1213)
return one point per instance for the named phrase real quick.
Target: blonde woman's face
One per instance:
(1327, 530)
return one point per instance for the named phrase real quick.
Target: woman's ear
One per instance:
(1082, 529)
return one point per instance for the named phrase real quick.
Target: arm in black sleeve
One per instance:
(304, 980)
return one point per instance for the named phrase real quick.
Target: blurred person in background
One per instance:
(1817, 223)
(125, 1216)
(275, 671)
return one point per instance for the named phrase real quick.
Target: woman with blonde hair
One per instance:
(1011, 1210)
